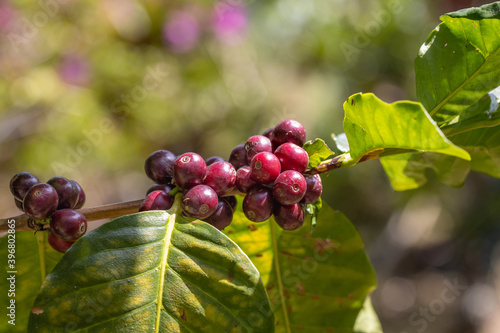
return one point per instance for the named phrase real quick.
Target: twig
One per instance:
(91, 214)
(129, 207)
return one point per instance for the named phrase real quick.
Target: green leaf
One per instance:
(375, 128)
(459, 64)
(484, 146)
(367, 320)
(153, 272)
(318, 151)
(408, 171)
(341, 142)
(317, 282)
(470, 119)
(28, 277)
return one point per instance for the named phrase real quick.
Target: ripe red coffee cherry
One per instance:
(19, 204)
(269, 133)
(258, 204)
(213, 159)
(244, 180)
(21, 183)
(238, 157)
(289, 187)
(289, 131)
(314, 189)
(289, 217)
(231, 200)
(257, 144)
(221, 177)
(58, 244)
(68, 224)
(189, 170)
(292, 157)
(222, 216)
(159, 166)
(40, 201)
(200, 202)
(157, 200)
(160, 187)
(265, 167)
(81, 195)
(66, 190)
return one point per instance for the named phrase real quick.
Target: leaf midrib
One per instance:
(278, 278)
(466, 82)
(166, 246)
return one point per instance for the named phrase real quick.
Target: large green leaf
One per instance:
(27, 279)
(484, 146)
(459, 64)
(318, 281)
(408, 171)
(153, 272)
(375, 128)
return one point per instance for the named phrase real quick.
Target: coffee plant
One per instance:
(247, 245)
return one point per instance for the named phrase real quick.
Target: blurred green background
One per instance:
(89, 89)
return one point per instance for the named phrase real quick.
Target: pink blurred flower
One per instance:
(75, 70)
(181, 32)
(229, 20)
(6, 14)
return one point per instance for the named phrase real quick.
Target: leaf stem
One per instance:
(40, 238)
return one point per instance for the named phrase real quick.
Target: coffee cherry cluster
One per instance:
(56, 200)
(269, 169)
(206, 186)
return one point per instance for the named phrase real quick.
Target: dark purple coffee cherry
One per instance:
(58, 244)
(157, 200)
(200, 202)
(257, 144)
(189, 170)
(19, 204)
(160, 187)
(66, 190)
(231, 200)
(289, 187)
(68, 224)
(222, 216)
(269, 133)
(221, 177)
(21, 183)
(265, 167)
(292, 157)
(258, 204)
(289, 131)
(159, 166)
(81, 196)
(289, 217)
(40, 201)
(244, 180)
(238, 157)
(314, 189)
(213, 159)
